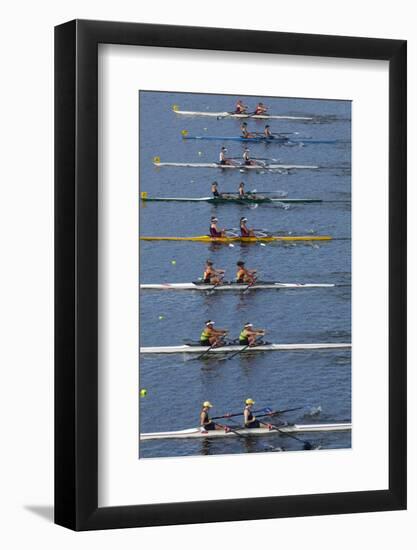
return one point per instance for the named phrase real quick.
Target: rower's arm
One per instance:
(202, 418)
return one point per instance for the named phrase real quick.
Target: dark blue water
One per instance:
(318, 380)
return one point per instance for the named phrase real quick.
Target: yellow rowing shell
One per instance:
(267, 239)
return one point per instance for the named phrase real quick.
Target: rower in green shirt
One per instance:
(249, 335)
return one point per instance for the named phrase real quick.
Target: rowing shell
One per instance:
(225, 114)
(231, 286)
(232, 348)
(267, 239)
(195, 433)
(231, 199)
(237, 166)
(281, 140)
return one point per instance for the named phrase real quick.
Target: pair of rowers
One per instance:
(213, 337)
(241, 193)
(244, 230)
(242, 109)
(249, 420)
(224, 160)
(246, 134)
(215, 276)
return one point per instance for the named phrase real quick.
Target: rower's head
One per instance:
(267, 126)
(260, 104)
(214, 219)
(209, 262)
(248, 325)
(241, 184)
(243, 220)
(210, 323)
(214, 184)
(249, 402)
(240, 263)
(207, 405)
(244, 123)
(224, 149)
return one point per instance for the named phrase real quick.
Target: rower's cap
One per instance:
(209, 323)
(250, 401)
(240, 262)
(267, 126)
(243, 219)
(214, 219)
(248, 325)
(224, 148)
(214, 183)
(209, 262)
(241, 184)
(244, 123)
(207, 404)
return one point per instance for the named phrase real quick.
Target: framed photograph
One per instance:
(230, 275)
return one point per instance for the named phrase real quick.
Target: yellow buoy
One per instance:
(143, 392)
(143, 195)
(175, 107)
(184, 133)
(157, 159)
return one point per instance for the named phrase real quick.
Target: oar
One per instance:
(249, 285)
(231, 429)
(231, 415)
(237, 352)
(275, 413)
(267, 410)
(307, 445)
(219, 283)
(207, 351)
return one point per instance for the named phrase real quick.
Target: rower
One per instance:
(206, 424)
(246, 157)
(214, 190)
(212, 337)
(249, 335)
(260, 109)
(243, 275)
(244, 129)
(223, 160)
(241, 190)
(240, 108)
(212, 276)
(267, 132)
(214, 230)
(244, 230)
(248, 417)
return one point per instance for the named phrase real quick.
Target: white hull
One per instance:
(233, 286)
(225, 114)
(237, 166)
(232, 348)
(195, 433)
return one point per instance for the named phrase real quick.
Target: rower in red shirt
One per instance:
(214, 230)
(240, 107)
(244, 230)
(260, 109)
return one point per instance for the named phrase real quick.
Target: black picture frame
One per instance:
(76, 272)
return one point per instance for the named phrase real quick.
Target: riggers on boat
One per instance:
(230, 198)
(195, 433)
(257, 165)
(226, 114)
(197, 348)
(239, 287)
(237, 239)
